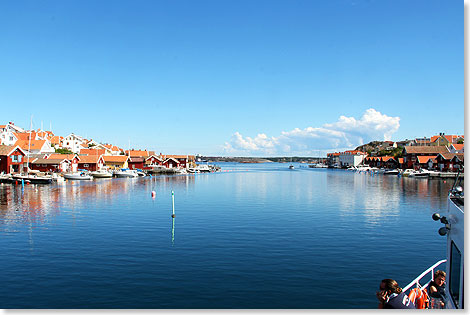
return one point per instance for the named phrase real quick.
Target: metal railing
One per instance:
(427, 271)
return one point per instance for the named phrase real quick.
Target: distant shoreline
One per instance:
(252, 160)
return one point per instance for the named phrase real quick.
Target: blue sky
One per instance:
(260, 78)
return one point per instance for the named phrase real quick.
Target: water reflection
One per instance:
(376, 197)
(38, 205)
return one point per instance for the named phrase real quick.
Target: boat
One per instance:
(391, 172)
(78, 176)
(32, 178)
(420, 173)
(408, 172)
(141, 173)
(125, 172)
(291, 167)
(101, 174)
(452, 220)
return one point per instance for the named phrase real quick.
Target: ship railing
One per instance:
(416, 282)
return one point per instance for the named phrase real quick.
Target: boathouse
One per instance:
(136, 163)
(451, 162)
(11, 159)
(91, 162)
(411, 153)
(50, 165)
(116, 161)
(73, 158)
(171, 163)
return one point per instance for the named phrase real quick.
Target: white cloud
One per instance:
(346, 133)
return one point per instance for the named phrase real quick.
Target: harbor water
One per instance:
(250, 236)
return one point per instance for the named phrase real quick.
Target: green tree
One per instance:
(63, 151)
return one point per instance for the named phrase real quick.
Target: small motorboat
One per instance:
(78, 176)
(101, 174)
(421, 173)
(125, 173)
(392, 172)
(291, 167)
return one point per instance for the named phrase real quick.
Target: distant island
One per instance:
(284, 159)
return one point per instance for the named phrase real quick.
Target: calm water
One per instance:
(251, 236)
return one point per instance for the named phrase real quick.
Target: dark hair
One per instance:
(392, 285)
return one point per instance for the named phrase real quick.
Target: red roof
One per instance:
(426, 158)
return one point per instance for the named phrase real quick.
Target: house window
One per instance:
(14, 159)
(85, 165)
(19, 158)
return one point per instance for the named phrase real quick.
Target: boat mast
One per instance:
(29, 145)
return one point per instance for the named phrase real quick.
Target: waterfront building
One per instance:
(425, 161)
(12, 159)
(91, 162)
(153, 160)
(351, 158)
(116, 161)
(136, 162)
(73, 158)
(411, 153)
(51, 165)
(333, 158)
(450, 161)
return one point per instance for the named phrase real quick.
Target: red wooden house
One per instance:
(90, 162)
(136, 163)
(451, 162)
(171, 163)
(50, 165)
(12, 159)
(73, 158)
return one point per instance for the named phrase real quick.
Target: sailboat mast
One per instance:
(29, 145)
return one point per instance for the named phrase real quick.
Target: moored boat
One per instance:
(391, 172)
(77, 176)
(32, 179)
(125, 173)
(101, 174)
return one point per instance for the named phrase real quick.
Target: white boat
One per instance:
(101, 174)
(408, 172)
(141, 173)
(363, 168)
(420, 173)
(291, 167)
(125, 172)
(192, 170)
(452, 220)
(391, 172)
(78, 176)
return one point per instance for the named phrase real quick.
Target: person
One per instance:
(392, 296)
(437, 289)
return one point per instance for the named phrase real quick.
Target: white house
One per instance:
(73, 142)
(8, 137)
(351, 158)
